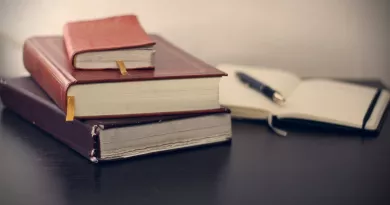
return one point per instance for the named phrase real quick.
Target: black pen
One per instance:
(264, 89)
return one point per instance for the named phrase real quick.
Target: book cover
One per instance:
(104, 34)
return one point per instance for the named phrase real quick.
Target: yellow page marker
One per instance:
(122, 67)
(70, 109)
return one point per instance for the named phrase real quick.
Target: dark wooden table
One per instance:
(258, 167)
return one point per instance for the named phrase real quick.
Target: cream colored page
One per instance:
(331, 101)
(233, 93)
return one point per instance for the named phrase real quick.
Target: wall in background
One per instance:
(330, 38)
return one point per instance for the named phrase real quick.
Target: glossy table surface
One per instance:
(257, 167)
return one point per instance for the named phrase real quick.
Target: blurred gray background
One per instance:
(327, 38)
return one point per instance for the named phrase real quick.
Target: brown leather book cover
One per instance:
(117, 32)
(46, 60)
(24, 97)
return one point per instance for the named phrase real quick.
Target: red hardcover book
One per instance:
(99, 43)
(179, 83)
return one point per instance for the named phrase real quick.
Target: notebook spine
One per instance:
(371, 108)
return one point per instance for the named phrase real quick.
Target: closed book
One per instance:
(99, 43)
(113, 139)
(179, 83)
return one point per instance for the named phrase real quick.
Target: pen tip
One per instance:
(278, 98)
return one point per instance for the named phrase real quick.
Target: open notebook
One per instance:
(317, 100)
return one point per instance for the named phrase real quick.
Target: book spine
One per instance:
(68, 44)
(50, 118)
(45, 73)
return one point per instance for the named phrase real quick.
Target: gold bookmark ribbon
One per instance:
(70, 109)
(122, 67)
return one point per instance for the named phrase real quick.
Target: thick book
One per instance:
(99, 43)
(113, 139)
(179, 83)
(316, 101)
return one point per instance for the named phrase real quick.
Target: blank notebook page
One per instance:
(334, 102)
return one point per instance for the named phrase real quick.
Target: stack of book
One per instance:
(109, 90)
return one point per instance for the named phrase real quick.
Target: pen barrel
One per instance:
(256, 85)
(267, 91)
